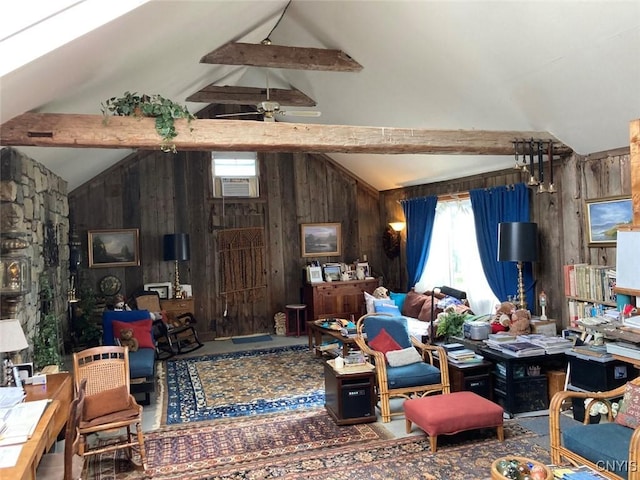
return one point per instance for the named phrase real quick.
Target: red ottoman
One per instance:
(452, 413)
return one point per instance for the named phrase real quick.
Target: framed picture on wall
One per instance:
(604, 217)
(114, 248)
(320, 239)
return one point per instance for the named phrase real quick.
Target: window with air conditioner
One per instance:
(235, 174)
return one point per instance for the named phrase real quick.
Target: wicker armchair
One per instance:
(613, 446)
(392, 382)
(109, 405)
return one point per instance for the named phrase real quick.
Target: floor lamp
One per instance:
(518, 242)
(451, 292)
(176, 248)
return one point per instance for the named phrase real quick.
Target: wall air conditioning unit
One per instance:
(236, 187)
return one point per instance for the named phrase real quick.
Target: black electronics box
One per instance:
(597, 375)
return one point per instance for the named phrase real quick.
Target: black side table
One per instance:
(350, 393)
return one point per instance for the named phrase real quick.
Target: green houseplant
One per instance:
(450, 324)
(156, 106)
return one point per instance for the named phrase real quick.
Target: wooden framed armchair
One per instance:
(611, 448)
(377, 335)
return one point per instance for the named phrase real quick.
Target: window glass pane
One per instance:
(454, 260)
(234, 164)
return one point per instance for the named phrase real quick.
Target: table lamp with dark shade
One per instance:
(518, 242)
(176, 248)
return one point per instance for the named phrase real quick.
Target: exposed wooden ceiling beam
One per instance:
(231, 95)
(279, 56)
(90, 131)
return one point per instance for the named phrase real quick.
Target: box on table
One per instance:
(544, 327)
(598, 374)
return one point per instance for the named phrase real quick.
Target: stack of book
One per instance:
(496, 340)
(551, 345)
(624, 349)
(464, 355)
(522, 349)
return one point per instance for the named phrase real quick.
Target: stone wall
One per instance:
(34, 200)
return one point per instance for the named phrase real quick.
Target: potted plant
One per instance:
(450, 323)
(162, 109)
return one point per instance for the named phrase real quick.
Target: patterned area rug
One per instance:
(243, 383)
(308, 445)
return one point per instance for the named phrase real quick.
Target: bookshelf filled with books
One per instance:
(589, 290)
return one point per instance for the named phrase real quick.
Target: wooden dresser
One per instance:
(177, 306)
(337, 299)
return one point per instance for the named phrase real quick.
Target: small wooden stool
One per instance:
(300, 311)
(452, 413)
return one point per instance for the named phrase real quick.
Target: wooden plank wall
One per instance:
(560, 217)
(162, 193)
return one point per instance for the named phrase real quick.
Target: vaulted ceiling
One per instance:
(568, 68)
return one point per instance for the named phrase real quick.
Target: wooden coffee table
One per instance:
(316, 332)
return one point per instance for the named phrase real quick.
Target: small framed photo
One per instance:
(320, 239)
(114, 248)
(164, 289)
(332, 273)
(365, 268)
(604, 216)
(21, 372)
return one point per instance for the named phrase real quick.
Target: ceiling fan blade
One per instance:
(299, 113)
(237, 114)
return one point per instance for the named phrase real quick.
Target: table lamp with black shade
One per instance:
(518, 242)
(448, 291)
(176, 248)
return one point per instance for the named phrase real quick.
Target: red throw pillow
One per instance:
(383, 342)
(141, 331)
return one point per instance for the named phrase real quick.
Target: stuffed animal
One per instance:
(502, 319)
(520, 322)
(381, 292)
(119, 303)
(128, 340)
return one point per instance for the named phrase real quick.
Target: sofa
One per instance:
(415, 307)
(142, 362)
(611, 447)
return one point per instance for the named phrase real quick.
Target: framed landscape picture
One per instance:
(114, 248)
(604, 217)
(320, 239)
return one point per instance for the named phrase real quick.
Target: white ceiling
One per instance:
(571, 68)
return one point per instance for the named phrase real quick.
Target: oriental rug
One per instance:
(308, 445)
(242, 383)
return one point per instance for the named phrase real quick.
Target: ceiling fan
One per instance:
(270, 109)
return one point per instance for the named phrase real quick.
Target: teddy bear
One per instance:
(520, 322)
(119, 304)
(502, 318)
(381, 292)
(128, 340)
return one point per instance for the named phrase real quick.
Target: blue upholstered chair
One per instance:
(142, 363)
(408, 370)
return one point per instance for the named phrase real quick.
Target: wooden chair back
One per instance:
(148, 301)
(103, 368)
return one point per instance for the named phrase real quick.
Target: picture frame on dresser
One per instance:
(164, 289)
(604, 217)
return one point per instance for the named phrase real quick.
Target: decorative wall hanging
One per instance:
(243, 264)
(535, 149)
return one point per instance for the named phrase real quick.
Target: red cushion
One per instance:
(629, 413)
(141, 331)
(383, 342)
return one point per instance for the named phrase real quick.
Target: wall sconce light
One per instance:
(176, 248)
(518, 242)
(15, 272)
(391, 239)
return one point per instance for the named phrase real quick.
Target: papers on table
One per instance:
(20, 421)
(10, 396)
(9, 455)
